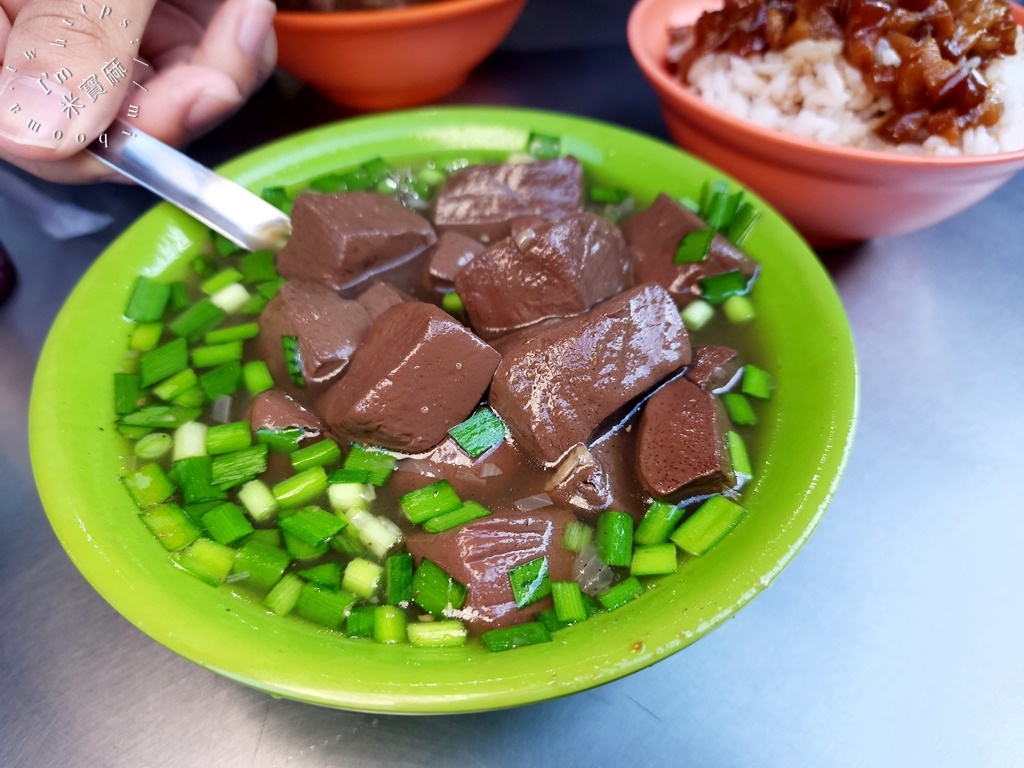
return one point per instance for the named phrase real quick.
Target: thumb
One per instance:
(67, 68)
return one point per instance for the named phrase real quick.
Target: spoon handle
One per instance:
(245, 219)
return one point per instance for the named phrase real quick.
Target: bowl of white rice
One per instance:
(797, 126)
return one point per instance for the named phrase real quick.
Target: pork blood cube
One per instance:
(328, 329)
(681, 449)
(417, 373)
(340, 239)
(554, 388)
(452, 252)
(482, 200)
(380, 297)
(654, 235)
(274, 409)
(556, 270)
(480, 554)
(714, 367)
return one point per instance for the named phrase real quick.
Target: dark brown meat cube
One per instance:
(655, 234)
(380, 297)
(481, 553)
(559, 269)
(713, 367)
(417, 373)
(452, 252)
(681, 443)
(274, 409)
(482, 200)
(328, 327)
(555, 388)
(341, 239)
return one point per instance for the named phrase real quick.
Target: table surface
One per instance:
(894, 638)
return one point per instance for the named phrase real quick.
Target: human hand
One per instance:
(173, 68)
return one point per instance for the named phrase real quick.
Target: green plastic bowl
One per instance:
(77, 454)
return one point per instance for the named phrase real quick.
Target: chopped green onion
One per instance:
(713, 191)
(277, 197)
(347, 542)
(544, 146)
(203, 266)
(132, 433)
(239, 332)
(300, 550)
(311, 525)
(389, 624)
(738, 455)
(569, 600)
(376, 533)
(167, 360)
(697, 314)
(530, 582)
(348, 496)
(430, 501)
(324, 606)
(237, 467)
(757, 382)
(258, 500)
(398, 579)
(195, 479)
(615, 537)
(431, 176)
(171, 526)
(154, 445)
(743, 223)
(232, 298)
(300, 489)
(217, 354)
(434, 590)
(145, 336)
(190, 440)
(270, 536)
(269, 288)
(360, 621)
(148, 300)
(190, 398)
(293, 360)
(739, 409)
(694, 247)
(285, 594)
(654, 560)
(739, 309)
(517, 636)
(470, 510)
(362, 578)
(227, 523)
(608, 195)
(175, 386)
(179, 299)
(437, 634)
(257, 377)
(167, 416)
(281, 440)
(479, 433)
(328, 183)
(451, 303)
(708, 525)
(327, 575)
(197, 320)
(316, 455)
(260, 565)
(550, 619)
(718, 288)
(374, 467)
(621, 594)
(255, 305)
(258, 266)
(228, 438)
(220, 280)
(150, 485)
(127, 393)
(658, 522)
(207, 560)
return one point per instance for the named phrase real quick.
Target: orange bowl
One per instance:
(392, 58)
(834, 195)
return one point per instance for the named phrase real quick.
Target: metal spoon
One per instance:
(245, 219)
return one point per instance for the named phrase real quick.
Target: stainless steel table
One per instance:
(894, 639)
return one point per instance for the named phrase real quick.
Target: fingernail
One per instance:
(209, 107)
(37, 111)
(254, 28)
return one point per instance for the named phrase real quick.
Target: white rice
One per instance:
(811, 91)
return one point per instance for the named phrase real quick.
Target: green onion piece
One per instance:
(167, 416)
(437, 634)
(203, 266)
(217, 354)
(237, 467)
(434, 590)
(302, 488)
(232, 298)
(277, 197)
(227, 523)
(470, 510)
(179, 299)
(145, 336)
(452, 303)
(530, 581)
(196, 511)
(220, 280)
(347, 542)
(175, 386)
(311, 525)
(387, 187)
(697, 314)
(127, 393)
(738, 455)
(654, 560)
(376, 533)
(713, 191)
(608, 195)
(718, 288)
(357, 180)
(694, 247)
(689, 203)
(260, 565)
(258, 500)
(506, 638)
(191, 398)
(362, 578)
(269, 536)
(377, 167)
(316, 455)
(223, 246)
(389, 624)
(431, 176)
(328, 183)
(739, 309)
(743, 223)
(615, 537)
(285, 594)
(430, 501)
(195, 479)
(162, 362)
(757, 382)
(324, 606)
(360, 621)
(257, 377)
(577, 536)
(300, 550)
(172, 527)
(189, 440)
(550, 619)
(708, 525)
(239, 332)
(398, 579)
(207, 560)
(327, 575)
(149, 485)
(292, 359)
(568, 599)
(255, 305)
(196, 321)
(479, 433)
(375, 466)
(132, 433)
(544, 146)
(658, 522)
(228, 438)
(739, 409)
(148, 301)
(280, 440)
(346, 477)
(345, 497)
(621, 594)
(153, 446)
